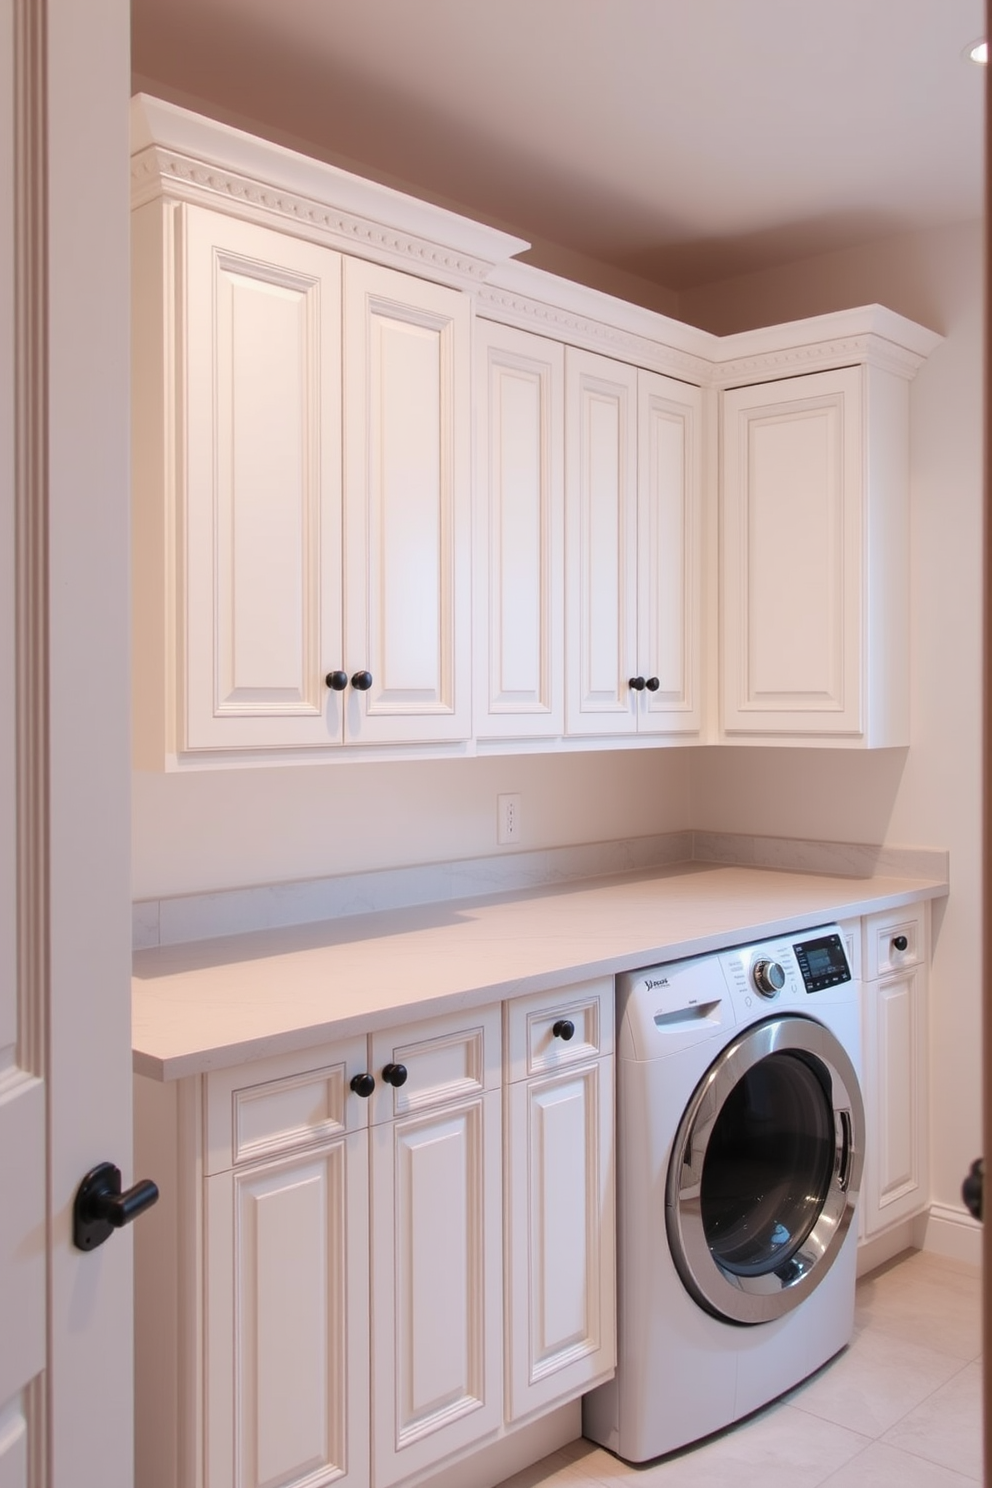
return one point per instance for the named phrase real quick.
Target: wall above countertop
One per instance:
(184, 918)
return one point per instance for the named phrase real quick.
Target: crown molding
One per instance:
(870, 350)
(561, 324)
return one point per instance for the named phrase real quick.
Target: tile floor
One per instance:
(900, 1406)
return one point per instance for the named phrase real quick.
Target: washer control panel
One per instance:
(822, 962)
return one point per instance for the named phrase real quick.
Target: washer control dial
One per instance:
(769, 977)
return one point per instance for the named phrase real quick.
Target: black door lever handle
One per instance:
(100, 1208)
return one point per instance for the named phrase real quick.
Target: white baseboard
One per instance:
(909, 1234)
(953, 1233)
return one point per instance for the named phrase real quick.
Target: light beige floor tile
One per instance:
(556, 1471)
(946, 1428)
(879, 1466)
(924, 1297)
(779, 1448)
(875, 1383)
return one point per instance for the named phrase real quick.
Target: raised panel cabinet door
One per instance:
(600, 544)
(561, 1268)
(519, 529)
(407, 460)
(259, 519)
(793, 615)
(896, 1166)
(669, 475)
(286, 1345)
(436, 1286)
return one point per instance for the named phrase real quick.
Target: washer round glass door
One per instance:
(765, 1170)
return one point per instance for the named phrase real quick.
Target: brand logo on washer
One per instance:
(653, 982)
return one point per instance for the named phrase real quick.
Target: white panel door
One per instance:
(669, 438)
(896, 1166)
(519, 530)
(287, 1321)
(561, 1329)
(436, 1285)
(793, 617)
(601, 544)
(260, 544)
(407, 507)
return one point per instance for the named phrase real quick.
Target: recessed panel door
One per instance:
(260, 514)
(407, 507)
(601, 543)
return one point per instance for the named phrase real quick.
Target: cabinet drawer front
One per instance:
(283, 1104)
(533, 1047)
(884, 934)
(445, 1059)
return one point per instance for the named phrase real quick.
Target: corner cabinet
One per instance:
(815, 555)
(321, 1294)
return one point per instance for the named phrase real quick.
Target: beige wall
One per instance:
(928, 796)
(224, 828)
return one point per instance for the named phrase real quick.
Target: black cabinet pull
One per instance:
(363, 1085)
(637, 684)
(395, 1075)
(337, 681)
(100, 1207)
(362, 681)
(564, 1029)
(652, 684)
(900, 942)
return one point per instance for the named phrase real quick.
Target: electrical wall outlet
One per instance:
(507, 819)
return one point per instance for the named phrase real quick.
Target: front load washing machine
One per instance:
(740, 1148)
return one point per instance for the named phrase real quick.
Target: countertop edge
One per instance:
(858, 900)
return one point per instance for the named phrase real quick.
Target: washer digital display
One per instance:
(822, 962)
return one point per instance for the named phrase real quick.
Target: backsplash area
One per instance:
(190, 917)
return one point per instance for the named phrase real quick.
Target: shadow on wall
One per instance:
(829, 795)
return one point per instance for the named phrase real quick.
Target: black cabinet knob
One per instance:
(363, 1085)
(395, 1074)
(100, 1207)
(899, 942)
(564, 1029)
(652, 684)
(337, 681)
(971, 1188)
(362, 681)
(637, 683)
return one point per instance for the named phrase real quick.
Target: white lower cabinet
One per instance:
(320, 1291)
(559, 1223)
(894, 993)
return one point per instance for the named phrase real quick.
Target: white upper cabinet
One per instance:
(407, 507)
(519, 530)
(814, 512)
(633, 441)
(393, 490)
(258, 483)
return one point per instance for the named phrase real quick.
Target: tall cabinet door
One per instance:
(601, 543)
(793, 492)
(436, 1284)
(286, 1354)
(560, 1236)
(519, 660)
(669, 439)
(407, 507)
(259, 483)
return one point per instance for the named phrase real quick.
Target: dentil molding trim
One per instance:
(156, 172)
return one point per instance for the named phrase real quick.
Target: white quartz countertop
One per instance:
(212, 1003)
